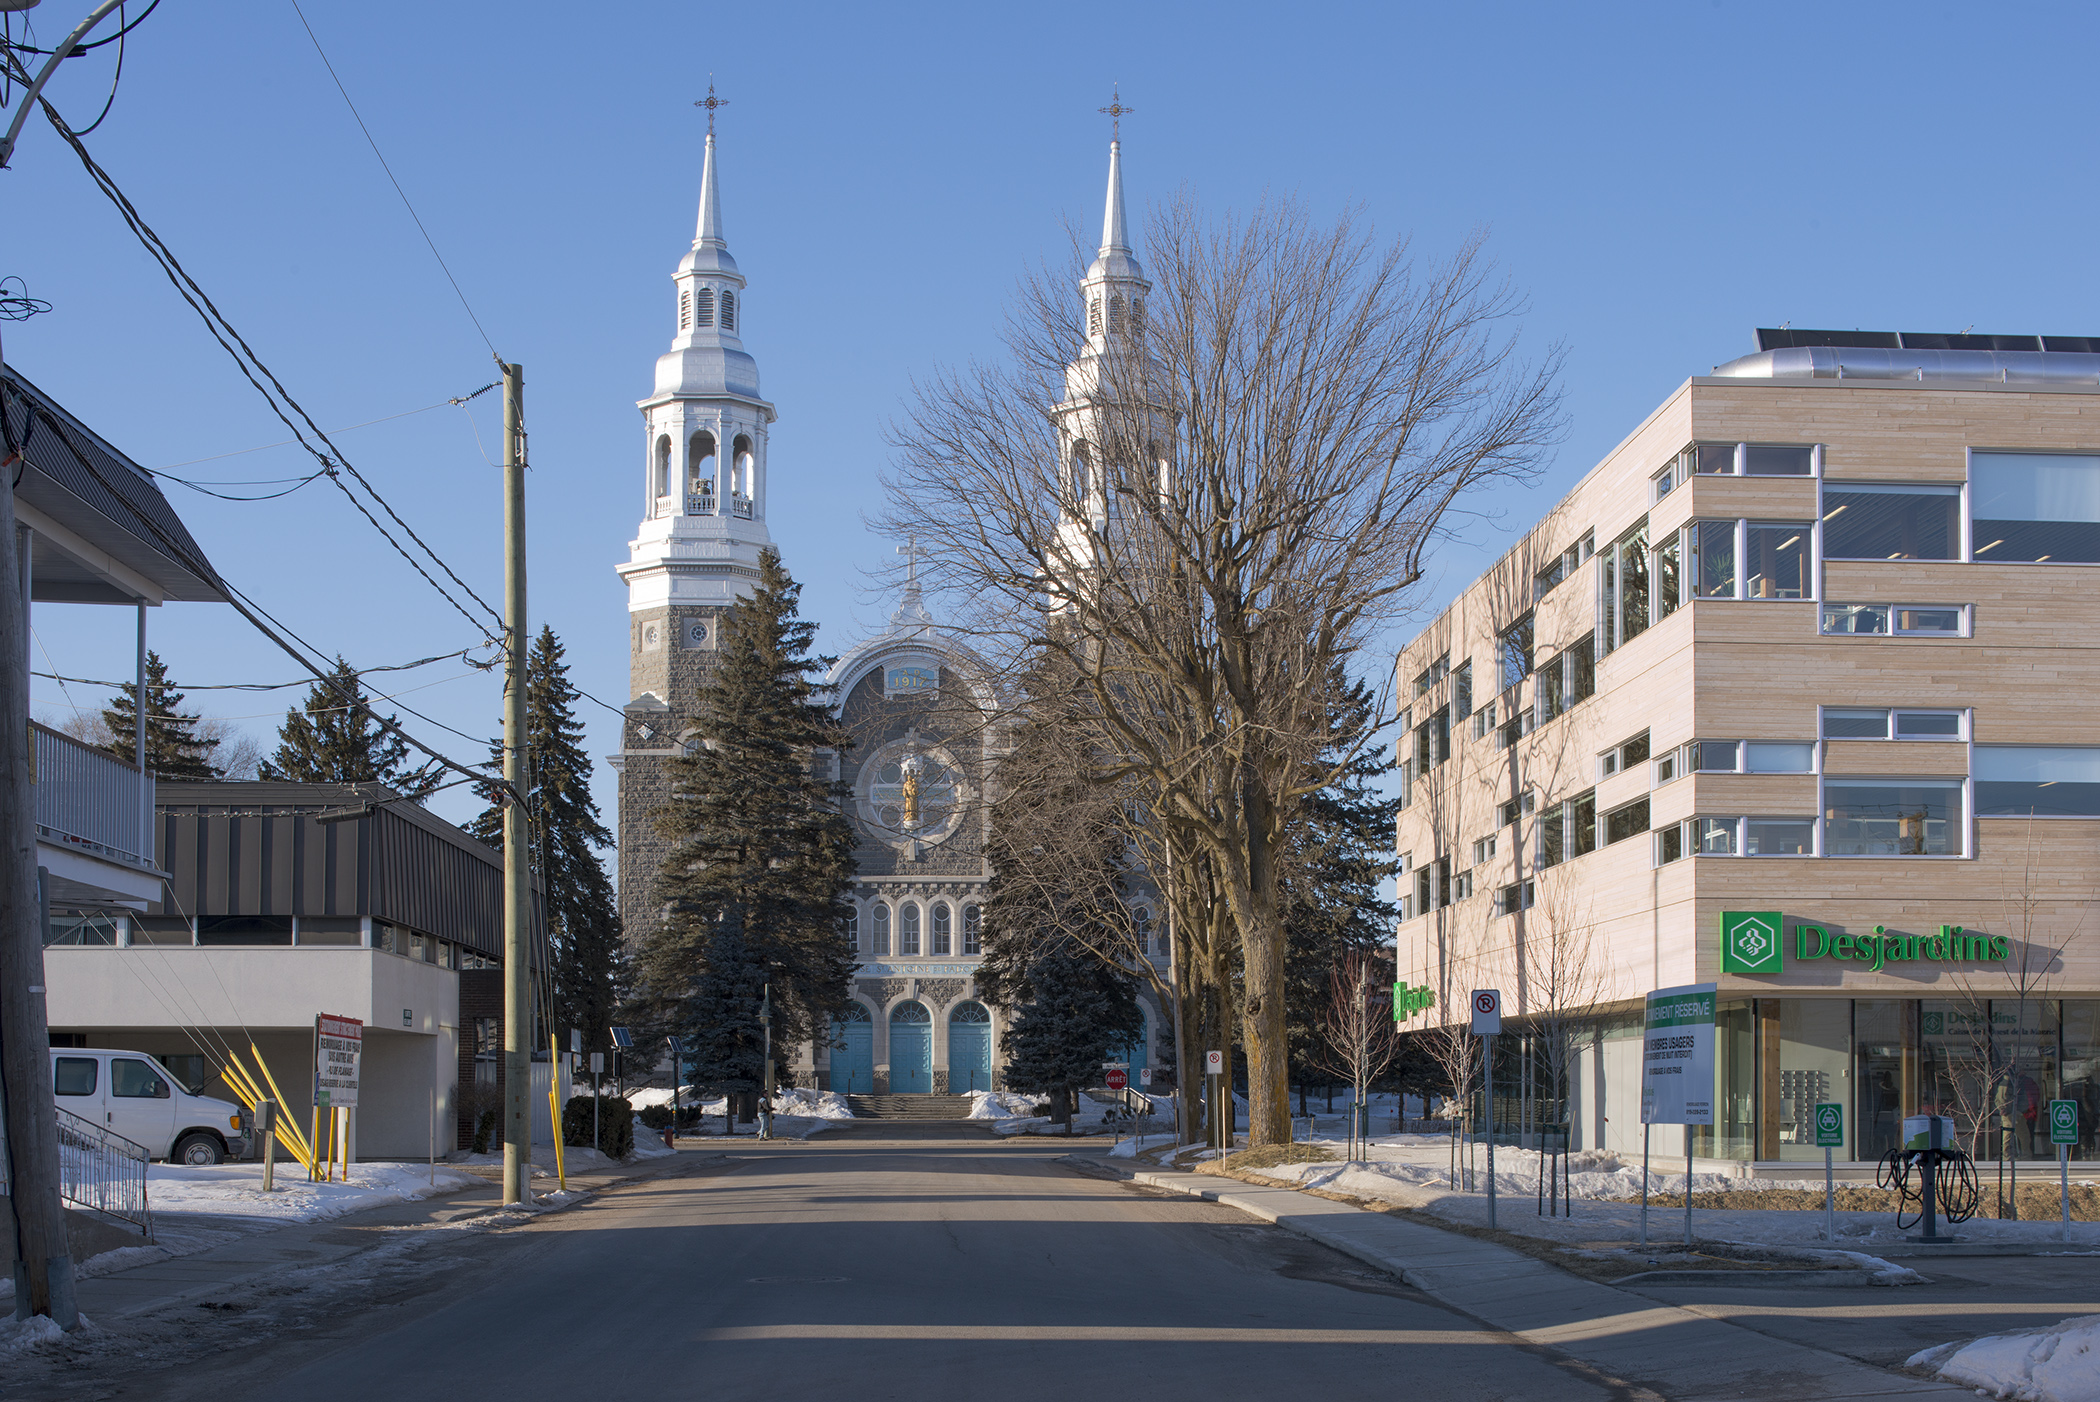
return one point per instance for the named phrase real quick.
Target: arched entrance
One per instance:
(1135, 1052)
(969, 1048)
(853, 1052)
(911, 1049)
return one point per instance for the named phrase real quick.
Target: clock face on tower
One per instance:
(912, 791)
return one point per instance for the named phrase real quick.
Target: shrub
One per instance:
(484, 1130)
(615, 1119)
(654, 1116)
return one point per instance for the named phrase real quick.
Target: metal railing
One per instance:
(98, 1170)
(740, 505)
(90, 799)
(699, 503)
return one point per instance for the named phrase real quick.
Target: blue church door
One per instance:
(911, 1049)
(1134, 1054)
(853, 1053)
(969, 1049)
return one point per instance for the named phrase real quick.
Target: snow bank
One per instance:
(19, 1334)
(2057, 1364)
(1000, 1105)
(812, 1104)
(235, 1189)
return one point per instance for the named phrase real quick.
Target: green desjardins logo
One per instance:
(1750, 941)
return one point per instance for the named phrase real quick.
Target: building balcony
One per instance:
(94, 832)
(740, 505)
(699, 503)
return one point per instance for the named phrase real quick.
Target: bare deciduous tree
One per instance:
(1209, 502)
(1357, 1038)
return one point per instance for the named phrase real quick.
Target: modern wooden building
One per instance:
(1786, 695)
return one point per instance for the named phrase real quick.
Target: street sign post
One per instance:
(1830, 1135)
(1677, 1077)
(1220, 1104)
(2063, 1133)
(1487, 1025)
(338, 1046)
(1117, 1078)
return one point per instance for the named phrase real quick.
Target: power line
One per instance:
(287, 442)
(396, 183)
(174, 685)
(251, 364)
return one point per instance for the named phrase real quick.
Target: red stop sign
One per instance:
(1118, 1078)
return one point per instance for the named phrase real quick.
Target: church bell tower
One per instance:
(703, 524)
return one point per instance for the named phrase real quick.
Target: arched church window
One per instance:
(1093, 317)
(685, 308)
(973, 930)
(882, 928)
(853, 928)
(1082, 466)
(1137, 316)
(662, 484)
(1141, 923)
(740, 481)
(704, 307)
(1115, 315)
(943, 929)
(908, 929)
(700, 473)
(728, 310)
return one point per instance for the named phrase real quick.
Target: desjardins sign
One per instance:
(1754, 942)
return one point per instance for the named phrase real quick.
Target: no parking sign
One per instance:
(1487, 1012)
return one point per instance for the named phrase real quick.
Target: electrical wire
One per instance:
(116, 77)
(251, 364)
(26, 48)
(287, 442)
(359, 118)
(1956, 1192)
(256, 686)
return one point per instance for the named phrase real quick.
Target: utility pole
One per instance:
(43, 1266)
(517, 864)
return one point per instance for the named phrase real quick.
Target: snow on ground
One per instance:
(1000, 1105)
(19, 1334)
(1413, 1171)
(235, 1189)
(2057, 1364)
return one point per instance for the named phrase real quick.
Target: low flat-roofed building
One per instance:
(1788, 695)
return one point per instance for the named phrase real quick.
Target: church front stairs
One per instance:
(909, 1107)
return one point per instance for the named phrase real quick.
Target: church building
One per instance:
(923, 710)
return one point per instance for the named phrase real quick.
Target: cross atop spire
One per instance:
(911, 550)
(1116, 112)
(711, 102)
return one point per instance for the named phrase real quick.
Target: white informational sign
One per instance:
(1677, 1057)
(1214, 1063)
(1487, 1012)
(338, 1044)
(1144, 1075)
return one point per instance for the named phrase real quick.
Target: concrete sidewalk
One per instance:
(264, 1246)
(1675, 1352)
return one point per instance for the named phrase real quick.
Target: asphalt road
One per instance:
(888, 1263)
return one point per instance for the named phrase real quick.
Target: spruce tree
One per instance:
(761, 851)
(174, 747)
(583, 918)
(1076, 1009)
(336, 738)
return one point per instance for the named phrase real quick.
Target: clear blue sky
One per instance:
(1659, 178)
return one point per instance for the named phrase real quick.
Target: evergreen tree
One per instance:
(583, 918)
(762, 854)
(1077, 1007)
(336, 738)
(1340, 856)
(175, 748)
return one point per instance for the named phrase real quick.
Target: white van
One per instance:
(131, 1094)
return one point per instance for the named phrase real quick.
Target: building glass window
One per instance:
(1895, 620)
(2042, 781)
(908, 929)
(1775, 559)
(1815, 1054)
(1582, 824)
(973, 930)
(1994, 1065)
(1514, 646)
(1778, 757)
(1508, 901)
(1891, 523)
(2036, 507)
(1713, 559)
(943, 930)
(1778, 460)
(1432, 674)
(1669, 577)
(1669, 844)
(1892, 818)
(1629, 821)
(1462, 690)
(1716, 837)
(882, 928)
(853, 928)
(1779, 837)
(1712, 458)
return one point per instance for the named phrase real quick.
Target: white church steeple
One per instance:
(705, 430)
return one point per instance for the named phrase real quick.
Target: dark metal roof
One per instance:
(78, 480)
(253, 848)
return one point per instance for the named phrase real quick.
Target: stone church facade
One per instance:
(920, 707)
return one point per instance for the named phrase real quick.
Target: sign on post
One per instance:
(1830, 1125)
(1214, 1063)
(1117, 1078)
(1487, 1012)
(2063, 1122)
(1677, 1058)
(338, 1045)
(1144, 1075)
